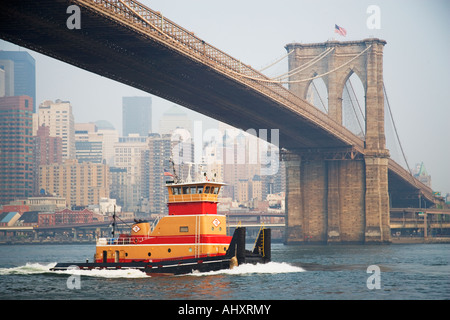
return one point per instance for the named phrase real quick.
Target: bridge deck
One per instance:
(172, 64)
(130, 43)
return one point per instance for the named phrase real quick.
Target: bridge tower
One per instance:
(334, 196)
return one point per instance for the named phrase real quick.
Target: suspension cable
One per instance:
(267, 67)
(396, 133)
(357, 101)
(297, 81)
(328, 72)
(354, 110)
(304, 66)
(320, 97)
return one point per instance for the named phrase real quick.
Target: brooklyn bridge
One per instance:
(341, 186)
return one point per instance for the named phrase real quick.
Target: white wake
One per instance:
(245, 269)
(37, 268)
(266, 268)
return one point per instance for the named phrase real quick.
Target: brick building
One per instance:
(65, 217)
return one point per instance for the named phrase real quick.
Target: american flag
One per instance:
(167, 173)
(340, 30)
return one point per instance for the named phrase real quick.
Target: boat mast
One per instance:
(114, 222)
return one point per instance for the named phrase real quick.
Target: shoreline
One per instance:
(394, 241)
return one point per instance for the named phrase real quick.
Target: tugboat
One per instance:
(192, 237)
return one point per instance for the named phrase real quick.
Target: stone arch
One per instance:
(316, 93)
(354, 104)
(367, 66)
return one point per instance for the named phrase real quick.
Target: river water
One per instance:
(384, 272)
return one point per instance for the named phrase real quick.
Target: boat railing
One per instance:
(154, 223)
(121, 240)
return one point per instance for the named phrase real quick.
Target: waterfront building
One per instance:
(81, 184)
(59, 118)
(16, 148)
(8, 219)
(15, 206)
(65, 217)
(106, 207)
(136, 116)
(45, 203)
(37, 203)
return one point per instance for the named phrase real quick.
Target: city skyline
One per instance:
(426, 110)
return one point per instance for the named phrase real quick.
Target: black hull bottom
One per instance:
(236, 255)
(163, 267)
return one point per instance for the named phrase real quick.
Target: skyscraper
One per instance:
(88, 143)
(16, 148)
(19, 74)
(174, 118)
(155, 158)
(137, 115)
(127, 155)
(47, 150)
(59, 118)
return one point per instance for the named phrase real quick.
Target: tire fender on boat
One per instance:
(233, 262)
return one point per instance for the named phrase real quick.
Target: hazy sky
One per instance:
(416, 60)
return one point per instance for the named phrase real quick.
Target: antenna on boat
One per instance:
(175, 176)
(114, 222)
(189, 178)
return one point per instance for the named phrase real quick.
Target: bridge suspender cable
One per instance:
(396, 133)
(356, 98)
(283, 57)
(262, 78)
(353, 107)
(303, 80)
(328, 72)
(320, 97)
(304, 66)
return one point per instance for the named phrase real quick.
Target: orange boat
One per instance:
(191, 237)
